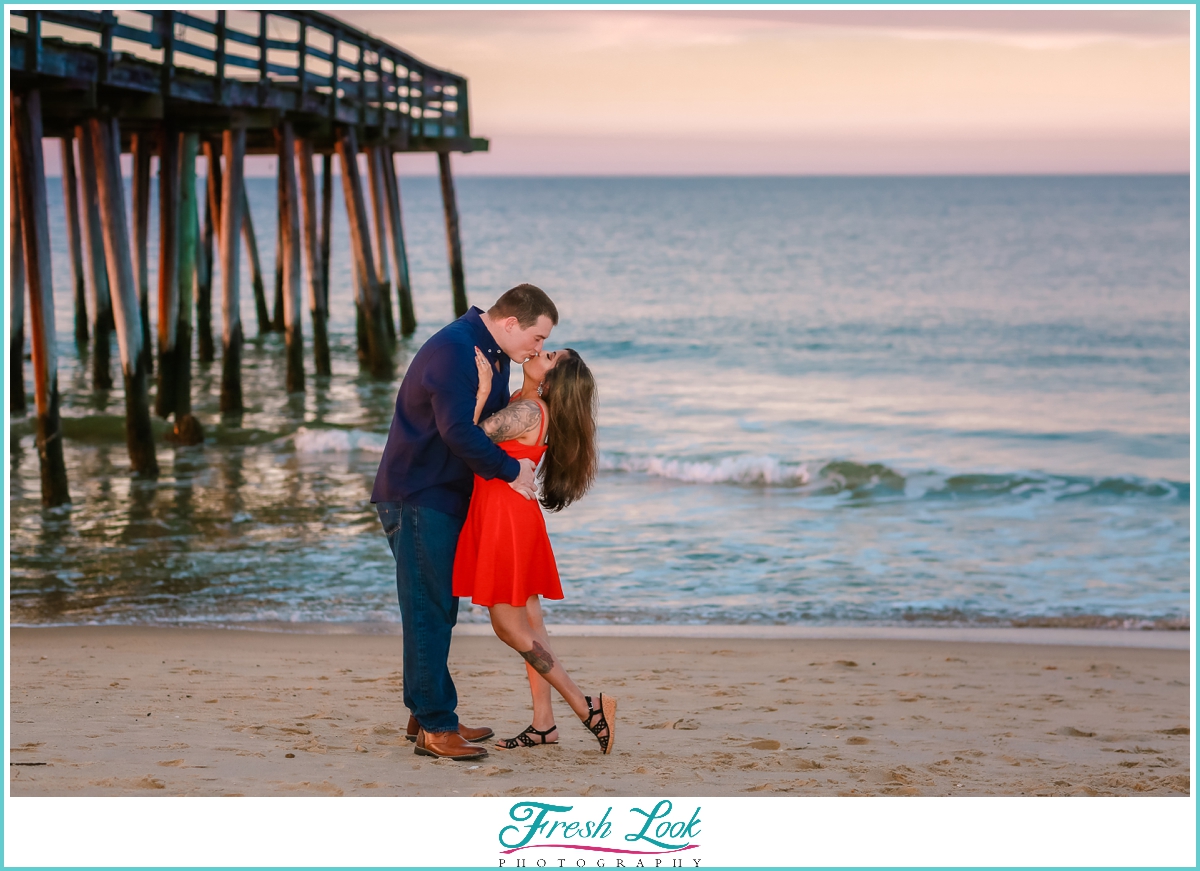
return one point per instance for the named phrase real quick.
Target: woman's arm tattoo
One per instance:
(513, 421)
(539, 658)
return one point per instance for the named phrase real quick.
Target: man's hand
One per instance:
(523, 483)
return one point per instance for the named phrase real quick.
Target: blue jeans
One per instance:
(423, 542)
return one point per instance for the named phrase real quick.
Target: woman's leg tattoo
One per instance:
(539, 658)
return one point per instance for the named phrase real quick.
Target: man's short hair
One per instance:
(526, 303)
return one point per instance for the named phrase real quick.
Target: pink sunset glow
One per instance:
(599, 92)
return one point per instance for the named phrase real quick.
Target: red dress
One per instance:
(504, 553)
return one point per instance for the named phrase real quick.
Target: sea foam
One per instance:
(337, 441)
(741, 469)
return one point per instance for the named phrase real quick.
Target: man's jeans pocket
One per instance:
(390, 516)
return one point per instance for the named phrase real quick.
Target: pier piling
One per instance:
(168, 270)
(233, 199)
(317, 304)
(106, 145)
(458, 282)
(213, 187)
(261, 313)
(35, 231)
(187, 429)
(379, 355)
(281, 196)
(203, 287)
(74, 243)
(408, 318)
(326, 222)
(289, 220)
(360, 316)
(16, 310)
(97, 266)
(378, 208)
(205, 347)
(141, 152)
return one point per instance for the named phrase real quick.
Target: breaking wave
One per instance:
(830, 477)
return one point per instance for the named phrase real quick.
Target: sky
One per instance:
(744, 91)
(747, 91)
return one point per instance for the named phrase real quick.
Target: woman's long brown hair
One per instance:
(568, 467)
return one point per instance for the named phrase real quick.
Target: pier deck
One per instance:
(253, 67)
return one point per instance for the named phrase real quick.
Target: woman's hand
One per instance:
(485, 382)
(485, 375)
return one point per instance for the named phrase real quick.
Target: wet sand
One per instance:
(142, 711)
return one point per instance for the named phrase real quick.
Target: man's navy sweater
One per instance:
(434, 450)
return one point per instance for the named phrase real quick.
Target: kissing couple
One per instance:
(457, 498)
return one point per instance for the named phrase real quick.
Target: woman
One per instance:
(504, 560)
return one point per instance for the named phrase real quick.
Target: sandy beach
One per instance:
(143, 711)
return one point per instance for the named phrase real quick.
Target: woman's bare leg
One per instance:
(539, 689)
(512, 626)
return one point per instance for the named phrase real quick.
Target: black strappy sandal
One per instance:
(607, 712)
(524, 739)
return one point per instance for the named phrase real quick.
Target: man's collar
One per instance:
(483, 336)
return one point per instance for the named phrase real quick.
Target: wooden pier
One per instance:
(224, 85)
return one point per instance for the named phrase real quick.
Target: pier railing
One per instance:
(301, 62)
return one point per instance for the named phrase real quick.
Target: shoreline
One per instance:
(1148, 639)
(152, 711)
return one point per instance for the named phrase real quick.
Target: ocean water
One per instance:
(823, 401)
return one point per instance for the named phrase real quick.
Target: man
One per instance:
(423, 487)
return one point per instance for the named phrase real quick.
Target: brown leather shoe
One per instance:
(479, 733)
(447, 745)
(482, 733)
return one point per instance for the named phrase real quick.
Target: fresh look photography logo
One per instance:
(634, 838)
